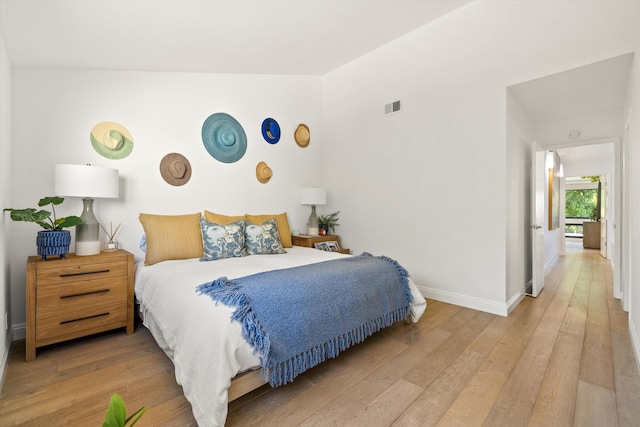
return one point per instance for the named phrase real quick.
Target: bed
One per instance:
(207, 348)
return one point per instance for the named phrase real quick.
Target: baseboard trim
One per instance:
(5, 357)
(515, 300)
(635, 343)
(19, 331)
(488, 306)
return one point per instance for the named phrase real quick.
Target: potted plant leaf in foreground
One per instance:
(116, 415)
(53, 240)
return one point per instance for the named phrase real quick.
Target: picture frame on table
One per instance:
(333, 246)
(322, 246)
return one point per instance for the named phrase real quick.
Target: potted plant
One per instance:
(328, 222)
(53, 240)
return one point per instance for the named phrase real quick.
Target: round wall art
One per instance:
(302, 135)
(111, 140)
(271, 131)
(175, 169)
(224, 138)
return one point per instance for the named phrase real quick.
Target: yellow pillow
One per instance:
(221, 219)
(281, 221)
(172, 237)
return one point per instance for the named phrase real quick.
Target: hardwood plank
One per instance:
(627, 389)
(428, 408)
(597, 357)
(475, 401)
(514, 404)
(556, 398)
(388, 406)
(428, 369)
(595, 406)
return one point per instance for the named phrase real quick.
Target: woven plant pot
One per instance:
(53, 243)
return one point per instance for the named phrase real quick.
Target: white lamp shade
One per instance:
(313, 196)
(86, 181)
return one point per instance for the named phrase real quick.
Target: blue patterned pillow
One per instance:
(263, 239)
(223, 241)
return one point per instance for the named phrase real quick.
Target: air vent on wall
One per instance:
(392, 108)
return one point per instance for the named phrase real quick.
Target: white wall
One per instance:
(631, 261)
(5, 198)
(519, 209)
(55, 110)
(427, 186)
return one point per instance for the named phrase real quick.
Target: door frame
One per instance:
(619, 256)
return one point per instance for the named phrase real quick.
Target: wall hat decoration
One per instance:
(111, 140)
(175, 169)
(263, 172)
(224, 138)
(302, 135)
(271, 131)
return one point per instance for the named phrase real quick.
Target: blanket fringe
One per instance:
(284, 372)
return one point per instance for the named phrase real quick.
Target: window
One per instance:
(580, 205)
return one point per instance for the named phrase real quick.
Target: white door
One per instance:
(538, 184)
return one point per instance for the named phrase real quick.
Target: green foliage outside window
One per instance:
(581, 203)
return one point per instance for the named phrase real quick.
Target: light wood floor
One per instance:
(562, 359)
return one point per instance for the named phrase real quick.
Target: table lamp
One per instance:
(86, 181)
(313, 196)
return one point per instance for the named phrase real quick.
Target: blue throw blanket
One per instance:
(299, 317)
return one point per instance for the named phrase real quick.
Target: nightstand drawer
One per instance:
(55, 325)
(78, 273)
(81, 294)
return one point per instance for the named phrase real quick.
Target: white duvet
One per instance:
(206, 348)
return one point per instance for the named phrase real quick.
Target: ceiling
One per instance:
(309, 37)
(593, 88)
(582, 91)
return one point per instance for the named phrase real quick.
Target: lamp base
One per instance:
(87, 248)
(88, 232)
(313, 226)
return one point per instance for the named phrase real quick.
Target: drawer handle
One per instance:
(84, 318)
(84, 273)
(85, 293)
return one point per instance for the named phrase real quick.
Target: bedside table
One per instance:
(310, 241)
(77, 296)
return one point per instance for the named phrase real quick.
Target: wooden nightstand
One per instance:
(310, 241)
(77, 296)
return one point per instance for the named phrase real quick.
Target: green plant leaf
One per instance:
(51, 200)
(29, 215)
(116, 412)
(68, 221)
(139, 413)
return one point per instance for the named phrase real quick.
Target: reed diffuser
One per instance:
(110, 244)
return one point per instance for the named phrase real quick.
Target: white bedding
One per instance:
(206, 348)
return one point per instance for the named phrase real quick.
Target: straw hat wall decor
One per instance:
(263, 172)
(302, 135)
(111, 140)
